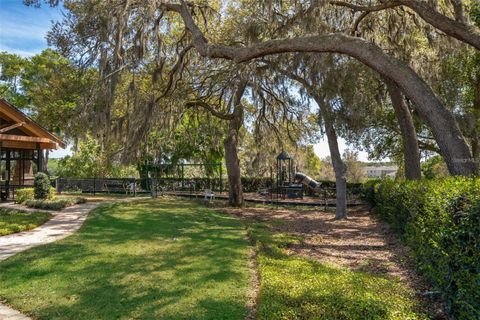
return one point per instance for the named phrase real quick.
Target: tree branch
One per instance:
(209, 108)
(380, 7)
(174, 70)
(457, 29)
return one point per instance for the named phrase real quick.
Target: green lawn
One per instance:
(174, 259)
(299, 288)
(12, 221)
(167, 259)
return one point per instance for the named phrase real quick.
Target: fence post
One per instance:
(150, 183)
(221, 177)
(183, 175)
(57, 184)
(134, 184)
(94, 184)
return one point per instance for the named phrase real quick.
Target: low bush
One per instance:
(254, 184)
(22, 195)
(440, 221)
(41, 186)
(367, 190)
(52, 193)
(57, 204)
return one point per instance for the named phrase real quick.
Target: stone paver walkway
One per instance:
(62, 224)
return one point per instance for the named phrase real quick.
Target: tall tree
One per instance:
(327, 116)
(411, 152)
(235, 122)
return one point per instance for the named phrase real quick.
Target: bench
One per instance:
(209, 195)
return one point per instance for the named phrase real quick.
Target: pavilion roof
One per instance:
(17, 130)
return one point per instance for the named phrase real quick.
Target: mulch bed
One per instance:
(361, 243)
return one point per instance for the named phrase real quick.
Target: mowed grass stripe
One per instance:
(164, 259)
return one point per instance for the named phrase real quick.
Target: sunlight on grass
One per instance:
(165, 259)
(298, 288)
(12, 221)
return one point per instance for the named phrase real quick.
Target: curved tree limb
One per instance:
(457, 28)
(356, 7)
(209, 108)
(178, 65)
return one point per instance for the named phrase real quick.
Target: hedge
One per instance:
(440, 221)
(25, 194)
(57, 204)
(22, 195)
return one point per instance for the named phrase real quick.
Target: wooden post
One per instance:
(39, 159)
(7, 182)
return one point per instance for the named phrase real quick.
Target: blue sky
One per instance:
(23, 30)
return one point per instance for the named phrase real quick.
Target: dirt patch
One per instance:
(360, 243)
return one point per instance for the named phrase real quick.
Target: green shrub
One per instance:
(42, 186)
(254, 184)
(22, 195)
(367, 190)
(57, 204)
(52, 193)
(440, 221)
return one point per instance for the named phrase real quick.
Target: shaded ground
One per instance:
(361, 243)
(317, 200)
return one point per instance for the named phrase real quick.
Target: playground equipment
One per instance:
(290, 184)
(284, 169)
(285, 185)
(307, 181)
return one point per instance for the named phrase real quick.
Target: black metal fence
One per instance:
(152, 185)
(97, 185)
(134, 186)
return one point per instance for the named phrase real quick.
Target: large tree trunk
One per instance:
(446, 132)
(337, 162)
(45, 161)
(339, 168)
(235, 122)
(411, 152)
(235, 190)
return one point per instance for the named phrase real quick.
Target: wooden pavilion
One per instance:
(22, 143)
